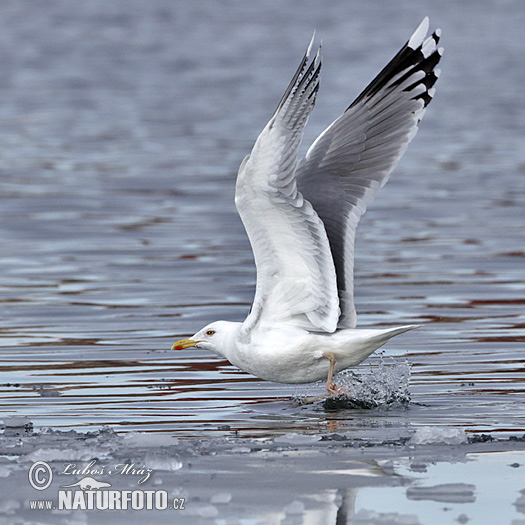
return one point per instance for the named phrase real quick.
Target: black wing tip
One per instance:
(307, 68)
(420, 53)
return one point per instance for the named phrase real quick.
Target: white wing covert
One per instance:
(348, 163)
(296, 281)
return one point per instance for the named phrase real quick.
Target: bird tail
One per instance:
(371, 340)
(384, 335)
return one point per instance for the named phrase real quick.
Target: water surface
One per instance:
(122, 126)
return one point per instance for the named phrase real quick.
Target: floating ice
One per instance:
(241, 450)
(295, 507)
(370, 517)
(520, 502)
(46, 390)
(145, 439)
(162, 462)
(16, 421)
(221, 498)
(447, 493)
(438, 436)
(55, 454)
(292, 438)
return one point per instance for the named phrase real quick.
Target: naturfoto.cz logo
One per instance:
(88, 493)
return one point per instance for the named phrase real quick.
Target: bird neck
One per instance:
(227, 345)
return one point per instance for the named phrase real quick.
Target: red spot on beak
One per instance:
(179, 347)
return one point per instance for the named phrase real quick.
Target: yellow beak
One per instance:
(184, 343)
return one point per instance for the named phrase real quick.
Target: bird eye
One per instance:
(210, 332)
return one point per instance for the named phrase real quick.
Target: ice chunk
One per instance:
(221, 498)
(147, 439)
(16, 421)
(370, 517)
(418, 467)
(447, 493)
(293, 438)
(520, 502)
(295, 507)
(241, 450)
(55, 454)
(162, 462)
(438, 436)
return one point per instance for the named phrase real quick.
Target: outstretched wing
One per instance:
(296, 280)
(348, 163)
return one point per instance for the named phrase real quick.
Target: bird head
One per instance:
(217, 337)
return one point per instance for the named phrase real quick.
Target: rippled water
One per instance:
(122, 126)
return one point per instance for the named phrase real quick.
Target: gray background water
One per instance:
(122, 125)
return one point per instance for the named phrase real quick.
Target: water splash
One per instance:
(383, 384)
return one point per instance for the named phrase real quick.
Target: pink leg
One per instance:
(330, 385)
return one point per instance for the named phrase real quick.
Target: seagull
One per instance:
(301, 219)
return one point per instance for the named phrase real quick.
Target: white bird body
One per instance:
(287, 354)
(301, 220)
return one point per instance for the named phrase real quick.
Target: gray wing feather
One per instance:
(352, 159)
(296, 281)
